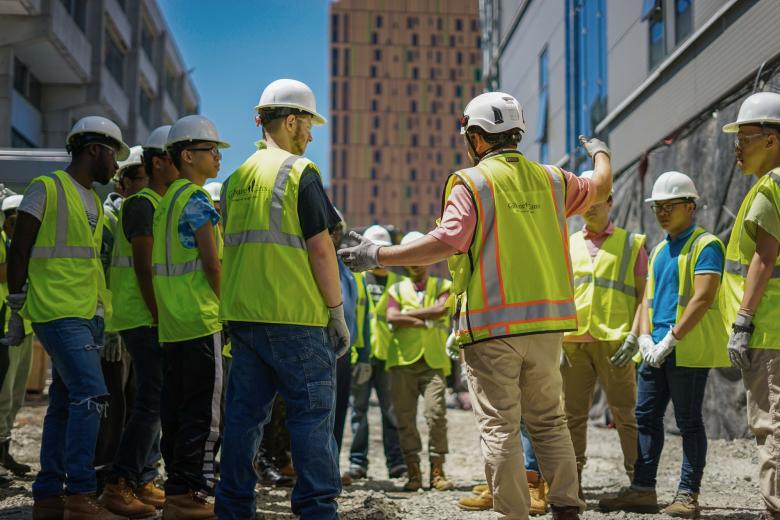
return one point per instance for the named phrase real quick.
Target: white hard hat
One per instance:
(410, 237)
(290, 93)
(763, 107)
(378, 235)
(673, 185)
(101, 126)
(493, 112)
(11, 202)
(158, 138)
(135, 159)
(213, 189)
(194, 128)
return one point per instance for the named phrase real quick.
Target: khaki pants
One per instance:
(586, 363)
(762, 382)
(15, 385)
(407, 383)
(513, 377)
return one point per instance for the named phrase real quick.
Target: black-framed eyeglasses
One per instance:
(213, 149)
(110, 149)
(666, 208)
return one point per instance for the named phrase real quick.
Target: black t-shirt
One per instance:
(315, 211)
(137, 218)
(375, 286)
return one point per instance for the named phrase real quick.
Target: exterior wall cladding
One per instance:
(401, 74)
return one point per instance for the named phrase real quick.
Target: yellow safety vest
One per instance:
(516, 273)
(705, 345)
(267, 276)
(122, 280)
(739, 254)
(65, 274)
(409, 344)
(360, 319)
(381, 336)
(605, 286)
(187, 306)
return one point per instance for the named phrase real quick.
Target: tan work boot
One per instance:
(480, 488)
(86, 507)
(190, 506)
(120, 499)
(414, 481)
(150, 494)
(49, 508)
(537, 488)
(632, 499)
(482, 502)
(684, 505)
(438, 479)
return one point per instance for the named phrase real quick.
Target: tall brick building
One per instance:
(401, 73)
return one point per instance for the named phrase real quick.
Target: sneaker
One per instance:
(632, 499)
(49, 508)
(86, 507)
(397, 471)
(119, 499)
(190, 506)
(8, 461)
(480, 488)
(684, 505)
(538, 491)
(357, 472)
(482, 502)
(150, 494)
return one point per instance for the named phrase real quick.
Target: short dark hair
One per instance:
(177, 148)
(80, 142)
(271, 114)
(148, 155)
(500, 140)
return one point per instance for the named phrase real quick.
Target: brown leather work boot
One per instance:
(49, 508)
(192, 506)
(86, 507)
(414, 481)
(151, 494)
(565, 512)
(483, 502)
(120, 499)
(537, 489)
(438, 479)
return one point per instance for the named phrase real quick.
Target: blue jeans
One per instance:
(139, 448)
(76, 401)
(685, 388)
(531, 464)
(299, 363)
(358, 452)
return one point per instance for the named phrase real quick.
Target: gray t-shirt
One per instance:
(34, 201)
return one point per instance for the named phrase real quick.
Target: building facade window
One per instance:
(683, 20)
(334, 130)
(378, 21)
(334, 62)
(26, 84)
(372, 71)
(115, 60)
(334, 94)
(334, 28)
(345, 95)
(77, 9)
(347, 61)
(377, 88)
(145, 107)
(656, 35)
(543, 117)
(345, 130)
(377, 55)
(147, 40)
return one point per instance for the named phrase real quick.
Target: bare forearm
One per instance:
(644, 318)
(142, 266)
(433, 312)
(602, 177)
(325, 267)
(400, 320)
(147, 292)
(692, 315)
(758, 276)
(640, 298)
(425, 251)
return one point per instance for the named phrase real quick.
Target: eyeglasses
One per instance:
(667, 208)
(741, 140)
(111, 149)
(213, 149)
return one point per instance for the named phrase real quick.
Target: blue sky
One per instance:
(237, 48)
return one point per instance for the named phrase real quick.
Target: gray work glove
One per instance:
(15, 334)
(361, 257)
(112, 350)
(594, 146)
(741, 331)
(338, 330)
(627, 350)
(662, 350)
(361, 372)
(646, 345)
(453, 350)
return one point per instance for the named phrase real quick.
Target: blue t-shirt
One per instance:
(197, 212)
(350, 297)
(667, 279)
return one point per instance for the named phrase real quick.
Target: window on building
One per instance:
(145, 106)
(334, 62)
(20, 141)
(377, 122)
(415, 40)
(334, 28)
(474, 25)
(373, 173)
(115, 60)
(409, 56)
(344, 163)
(122, 4)
(347, 61)
(414, 140)
(415, 73)
(374, 38)
(374, 105)
(458, 158)
(413, 106)
(452, 41)
(478, 74)
(377, 156)
(371, 208)
(408, 191)
(413, 208)
(439, 24)
(171, 81)
(656, 35)
(439, 90)
(683, 20)
(433, 40)
(372, 71)
(147, 40)
(543, 92)
(377, 88)
(377, 55)
(375, 190)
(412, 174)
(334, 91)
(458, 24)
(77, 9)
(345, 129)
(26, 84)
(378, 21)
(344, 197)
(345, 95)
(459, 58)
(372, 139)
(346, 27)
(458, 91)
(334, 166)
(334, 129)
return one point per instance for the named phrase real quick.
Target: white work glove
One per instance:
(338, 330)
(112, 350)
(626, 351)
(15, 334)
(741, 330)
(662, 350)
(452, 347)
(594, 146)
(361, 373)
(646, 345)
(361, 257)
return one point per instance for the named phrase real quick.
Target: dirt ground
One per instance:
(729, 490)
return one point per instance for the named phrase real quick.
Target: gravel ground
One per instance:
(729, 489)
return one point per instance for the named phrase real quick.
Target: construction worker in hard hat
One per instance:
(372, 373)
(750, 298)
(56, 280)
(418, 364)
(130, 489)
(510, 260)
(682, 337)
(609, 265)
(214, 189)
(282, 299)
(186, 253)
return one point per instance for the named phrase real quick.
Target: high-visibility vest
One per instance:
(360, 319)
(121, 278)
(605, 286)
(65, 275)
(267, 276)
(516, 273)
(705, 345)
(381, 336)
(187, 307)
(409, 344)
(739, 254)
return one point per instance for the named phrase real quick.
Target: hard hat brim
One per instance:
(669, 197)
(733, 128)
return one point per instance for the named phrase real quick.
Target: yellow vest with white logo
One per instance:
(381, 336)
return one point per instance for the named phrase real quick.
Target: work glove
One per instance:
(361, 372)
(361, 257)
(594, 146)
(113, 350)
(741, 331)
(662, 350)
(626, 351)
(338, 330)
(646, 345)
(15, 334)
(452, 347)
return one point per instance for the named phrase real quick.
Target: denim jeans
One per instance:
(531, 464)
(139, 448)
(299, 363)
(358, 452)
(76, 401)
(685, 388)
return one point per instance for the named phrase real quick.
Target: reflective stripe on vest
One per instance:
(619, 284)
(169, 268)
